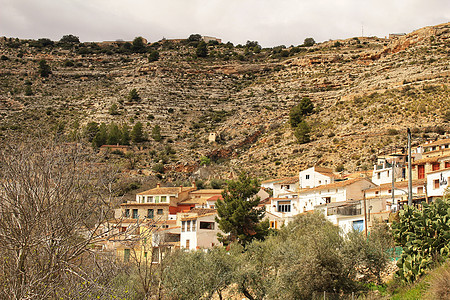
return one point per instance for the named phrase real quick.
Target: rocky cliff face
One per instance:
(366, 91)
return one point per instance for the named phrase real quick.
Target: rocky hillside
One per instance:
(366, 92)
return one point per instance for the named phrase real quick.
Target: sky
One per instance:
(270, 22)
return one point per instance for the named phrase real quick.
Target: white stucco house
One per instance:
(438, 183)
(316, 176)
(198, 229)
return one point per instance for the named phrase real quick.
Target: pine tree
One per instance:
(237, 213)
(101, 137)
(137, 133)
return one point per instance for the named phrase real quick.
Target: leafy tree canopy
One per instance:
(309, 42)
(69, 39)
(202, 49)
(237, 213)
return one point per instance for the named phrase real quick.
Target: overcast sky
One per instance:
(271, 22)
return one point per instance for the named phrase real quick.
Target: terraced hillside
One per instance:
(366, 92)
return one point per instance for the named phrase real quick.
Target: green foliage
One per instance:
(44, 69)
(4, 57)
(304, 108)
(156, 133)
(309, 255)
(302, 132)
(213, 273)
(125, 136)
(205, 161)
(91, 131)
(217, 183)
(138, 45)
(159, 168)
(28, 91)
(153, 56)
(424, 236)
(237, 213)
(195, 38)
(69, 39)
(137, 133)
(114, 110)
(202, 49)
(114, 134)
(308, 42)
(133, 95)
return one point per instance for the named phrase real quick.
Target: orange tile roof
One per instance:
(398, 184)
(289, 180)
(436, 143)
(337, 184)
(275, 180)
(167, 190)
(208, 191)
(429, 160)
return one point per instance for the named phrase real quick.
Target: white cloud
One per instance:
(271, 22)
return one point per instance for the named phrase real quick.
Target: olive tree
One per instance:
(52, 201)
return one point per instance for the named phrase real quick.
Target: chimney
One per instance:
(158, 185)
(181, 188)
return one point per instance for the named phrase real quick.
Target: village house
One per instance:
(285, 186)
(199, 229)
(426, 165)
(160, 203)
(438, 183)
(316, 176)
(205, 198)
(436, 148)
(382, 170)
(383, 192)
(339, 191)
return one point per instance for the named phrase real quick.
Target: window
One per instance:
(307, 176)
(420, 171)
(163, 198)
(150, 213)
(435, 166)
(284, 206)
(188, 226)
(188, 244)
(389, 191)
(194, 223)
(127, 213)
(160, 211)
(376, 193)
(420, 190)
(123, 229)
(320, 181)
(156, 199)
(207, 225)
(183, 226)
(327, 199)
(150, 199)
(135, 213)
(378, 175)
(436, 183)
(447, 164)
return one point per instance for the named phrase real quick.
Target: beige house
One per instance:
(160, 203)
(199, 229)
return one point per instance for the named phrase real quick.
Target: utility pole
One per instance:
(394, 205)
(409, 169)
(365, 213)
